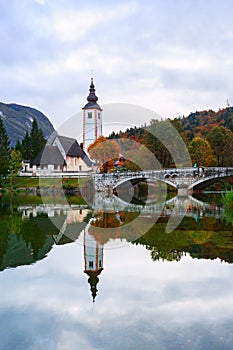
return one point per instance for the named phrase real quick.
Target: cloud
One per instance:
(171, 59)
(41, 2)
(75, 24)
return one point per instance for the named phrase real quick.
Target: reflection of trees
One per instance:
(20, 240)
(34, 238)
(10, 223)
(229, 216)
(165, 255)
(117, 226)
(106, 220)
(162, 245)
(200, 242)
(3, 241)
(209, 238)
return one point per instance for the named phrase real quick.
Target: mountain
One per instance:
(18, 119)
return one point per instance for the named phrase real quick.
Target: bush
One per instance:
(227, 199)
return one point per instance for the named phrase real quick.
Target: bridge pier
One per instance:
(183, 191)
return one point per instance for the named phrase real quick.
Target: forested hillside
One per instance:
(208, 136)
(200, 123)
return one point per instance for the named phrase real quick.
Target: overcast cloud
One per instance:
(173, 57)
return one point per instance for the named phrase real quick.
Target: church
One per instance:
(65, 154)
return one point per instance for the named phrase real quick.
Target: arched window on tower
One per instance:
(89, 115)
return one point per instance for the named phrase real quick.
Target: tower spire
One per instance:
(93, 281)
(92, 96)
(92, 118)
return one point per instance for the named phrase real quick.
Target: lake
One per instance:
(74, 277)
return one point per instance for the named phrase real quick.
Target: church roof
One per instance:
(52, 155)
(49, 155)
(72, 149)
(92, 98)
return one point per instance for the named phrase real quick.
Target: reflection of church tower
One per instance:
(93, 257)
(92, 118)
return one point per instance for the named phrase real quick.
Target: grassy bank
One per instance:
(227, 200)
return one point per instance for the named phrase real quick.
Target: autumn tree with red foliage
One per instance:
(104, 152)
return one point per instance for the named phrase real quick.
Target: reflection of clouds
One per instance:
(140, 303)
(34, 329)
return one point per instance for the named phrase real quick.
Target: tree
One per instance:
(221, 141)
(37, 140)
(26, 148)
(104, 152)
(18, 146)
(32, 144)
(15, 164)
(164, 141)
(200, 152)
(4, 150)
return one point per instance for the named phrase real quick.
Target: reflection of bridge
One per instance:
(76, 214)
(184, 180)
(176, 206)
(51, 210)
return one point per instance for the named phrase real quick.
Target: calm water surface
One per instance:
(65, 286)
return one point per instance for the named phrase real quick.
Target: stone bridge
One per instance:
(184, 179)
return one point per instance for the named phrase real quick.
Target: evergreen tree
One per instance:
(18, 146)
(4, 150)
(41, 140)
(32, 144)
(26, 147)
(37, 140)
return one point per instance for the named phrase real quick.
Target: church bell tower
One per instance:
(92, 118)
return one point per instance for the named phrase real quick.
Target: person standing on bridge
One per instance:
(196, 170)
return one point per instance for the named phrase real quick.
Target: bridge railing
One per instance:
(171, 172)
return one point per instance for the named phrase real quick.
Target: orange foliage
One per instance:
(104, 152)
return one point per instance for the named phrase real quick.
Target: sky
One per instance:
(172, 57)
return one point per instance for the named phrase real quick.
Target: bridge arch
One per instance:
(135, 180)
(206, 181)
(183, 179)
